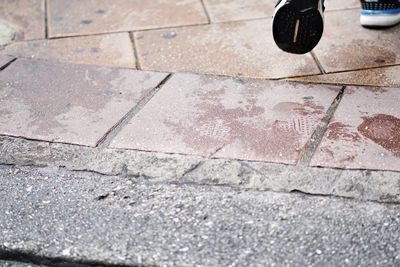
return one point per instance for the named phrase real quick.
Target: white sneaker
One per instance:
(298, 25)
(380, 13)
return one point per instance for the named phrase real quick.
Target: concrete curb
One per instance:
(381, 186)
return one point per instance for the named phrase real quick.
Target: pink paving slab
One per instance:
(229, 118)
(66, 102)
(365, 131)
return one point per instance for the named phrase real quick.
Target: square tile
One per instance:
(346, 45)
(66, 102)
(384, 76)
(231, 10)
(365, 131)
(332, 5)
(241, 48)
(115, 50)
(4, 60)
(26, 17)
(229, 118)
(77, 17)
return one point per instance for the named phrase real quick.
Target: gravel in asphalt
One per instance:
(81, 217)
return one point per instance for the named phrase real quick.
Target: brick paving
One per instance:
(84, 85)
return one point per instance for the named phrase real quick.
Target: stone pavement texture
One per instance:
(138, 108)
(68, 103)
(225, 118)
(96, 50)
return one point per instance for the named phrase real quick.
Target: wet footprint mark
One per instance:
(384, 130)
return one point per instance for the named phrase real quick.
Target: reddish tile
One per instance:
(107, 50)
(66, 102)
(235, 49)
(77, 17)
(230, 10)
(385, 76)
(4, 60)
(231, 118)
(25, 16)
(346, 45)
(365, 131)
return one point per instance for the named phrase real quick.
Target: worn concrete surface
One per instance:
(18, 264)
(7, 34)
(84, 217)
(364, 185)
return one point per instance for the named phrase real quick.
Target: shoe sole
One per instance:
(298, 26)
(379, 20)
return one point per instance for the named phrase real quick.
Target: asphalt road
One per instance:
(53, 217)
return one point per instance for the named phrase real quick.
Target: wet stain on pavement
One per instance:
(304, 109)
(217, 124)
(86, 21)
(384, 130)
(340, 131)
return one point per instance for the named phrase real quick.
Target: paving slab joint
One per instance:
(8, 64)
(109, 136)
(206, 11)
(316, 138)
(46, 20)
(135, 52)
(316, 60)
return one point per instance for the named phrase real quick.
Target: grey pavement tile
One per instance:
(77, 17)
(332, 5)
(241, 119)
(244, 48)
(113, 50)
(346, 45)
(365, 131)
(232, 10)
(67, 102)
(25, 17)
(5, 59)
(383, 76)
(83, 217)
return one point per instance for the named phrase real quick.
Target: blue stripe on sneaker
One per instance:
(378, 12)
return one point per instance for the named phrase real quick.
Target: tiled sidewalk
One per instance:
(75, 82)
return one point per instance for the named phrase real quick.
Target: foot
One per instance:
(380, 13)
(298, 25)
